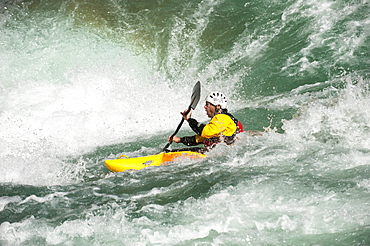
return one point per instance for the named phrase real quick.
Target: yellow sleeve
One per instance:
(199, 139)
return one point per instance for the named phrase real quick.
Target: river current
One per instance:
(83, 81)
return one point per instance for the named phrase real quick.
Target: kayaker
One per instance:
(222, 127)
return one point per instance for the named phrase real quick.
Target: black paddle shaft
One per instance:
(195, 96)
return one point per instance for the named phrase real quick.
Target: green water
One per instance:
(84, 81)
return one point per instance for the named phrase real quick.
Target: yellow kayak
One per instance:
(124, 163)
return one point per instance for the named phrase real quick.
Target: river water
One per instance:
(83, 81)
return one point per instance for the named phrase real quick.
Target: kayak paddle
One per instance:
(195, 96)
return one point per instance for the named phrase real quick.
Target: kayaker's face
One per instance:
(210, 109)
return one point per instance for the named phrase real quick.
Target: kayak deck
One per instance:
(136, 163)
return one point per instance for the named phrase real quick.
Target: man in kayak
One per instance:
(222, 127)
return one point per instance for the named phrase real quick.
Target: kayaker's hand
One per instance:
(174, 139)
(187, 114)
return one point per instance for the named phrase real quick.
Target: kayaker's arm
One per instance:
(189, 141)
(195, 126)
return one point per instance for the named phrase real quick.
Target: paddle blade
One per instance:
(195, 96)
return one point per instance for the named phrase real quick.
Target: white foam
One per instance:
(345, 116)
(4, 200)
(103, 95)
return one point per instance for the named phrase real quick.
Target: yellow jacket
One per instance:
(220, 125)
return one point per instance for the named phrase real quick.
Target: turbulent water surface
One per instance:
(82, 81)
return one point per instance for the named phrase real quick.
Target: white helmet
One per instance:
(217, 98)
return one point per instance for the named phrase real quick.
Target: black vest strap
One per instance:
(233, 118)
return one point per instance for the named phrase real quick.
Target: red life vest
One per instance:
(240, 127)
